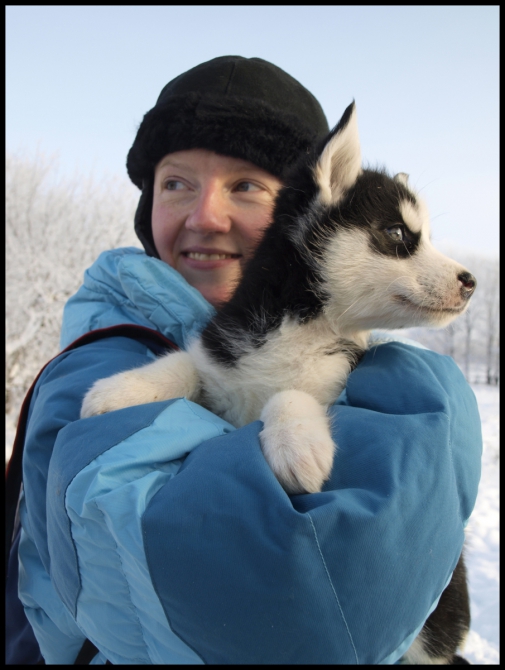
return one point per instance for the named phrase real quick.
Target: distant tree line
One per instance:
(55, 229)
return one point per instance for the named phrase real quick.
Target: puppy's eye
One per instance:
(396, 233)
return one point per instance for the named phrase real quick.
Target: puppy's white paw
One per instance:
(107, 395)
(171, 376)
(296, 441)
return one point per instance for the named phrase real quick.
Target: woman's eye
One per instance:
(173, 185)
(247, 187)
(395, 232)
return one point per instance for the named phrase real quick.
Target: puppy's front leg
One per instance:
(171, 376)
(296, 441)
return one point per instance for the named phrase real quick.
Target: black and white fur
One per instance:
(348, 250)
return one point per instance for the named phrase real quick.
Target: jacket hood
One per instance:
(127, 286)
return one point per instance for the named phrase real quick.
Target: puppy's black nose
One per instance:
(468, 284)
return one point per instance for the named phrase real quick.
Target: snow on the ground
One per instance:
(482, 546)
(482, 553)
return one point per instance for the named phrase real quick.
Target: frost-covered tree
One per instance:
(468, 327)
(491, 318)
(55, 229)
(479, 347)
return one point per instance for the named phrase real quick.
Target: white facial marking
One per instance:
(410, 214)
(373, 290)
(416, 216)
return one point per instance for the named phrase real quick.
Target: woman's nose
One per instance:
(210, 212)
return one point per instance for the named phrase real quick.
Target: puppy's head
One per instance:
(367, 235)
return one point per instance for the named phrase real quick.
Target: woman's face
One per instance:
(209, 213)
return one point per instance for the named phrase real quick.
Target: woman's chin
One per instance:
(216, 295)
(216, 289)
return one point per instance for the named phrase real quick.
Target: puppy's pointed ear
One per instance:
(339, 164)
(402, 178)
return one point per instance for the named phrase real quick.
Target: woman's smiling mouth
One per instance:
(208, 259)
(209, 256)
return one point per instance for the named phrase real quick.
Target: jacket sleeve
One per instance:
(165, 537)
(54, 408)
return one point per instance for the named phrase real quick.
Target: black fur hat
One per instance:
(241, 107)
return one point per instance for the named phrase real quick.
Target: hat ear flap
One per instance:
(143, 227)
(339, 164)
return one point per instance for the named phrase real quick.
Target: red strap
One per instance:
(14, 470)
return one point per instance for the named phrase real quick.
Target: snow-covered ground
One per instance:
(483, 646)
(483, 538)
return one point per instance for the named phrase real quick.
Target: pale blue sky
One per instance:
(425, 79)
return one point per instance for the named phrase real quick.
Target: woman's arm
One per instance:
(159, 556)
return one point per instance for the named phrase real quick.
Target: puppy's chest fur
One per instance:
(303, 356)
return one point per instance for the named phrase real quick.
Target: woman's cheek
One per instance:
(165, 235)
(256, 231)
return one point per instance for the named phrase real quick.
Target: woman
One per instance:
(158, 533)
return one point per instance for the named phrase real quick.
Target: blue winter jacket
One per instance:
(160, 533)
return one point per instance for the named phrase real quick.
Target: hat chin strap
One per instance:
(143, 226)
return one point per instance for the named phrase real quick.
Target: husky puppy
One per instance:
(348, 250)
